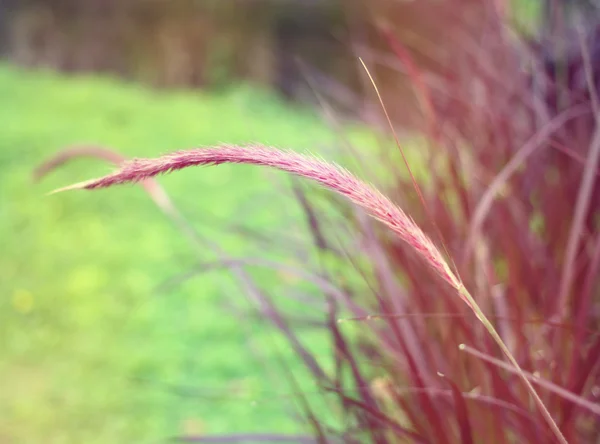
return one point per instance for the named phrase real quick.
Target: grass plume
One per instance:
(326, 174)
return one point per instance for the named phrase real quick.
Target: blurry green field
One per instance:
(90, 352)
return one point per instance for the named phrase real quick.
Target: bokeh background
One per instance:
(116, 327)
(106, 337)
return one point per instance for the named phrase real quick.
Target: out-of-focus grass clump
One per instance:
(512, 196)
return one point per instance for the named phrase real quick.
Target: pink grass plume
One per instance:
(328, 175)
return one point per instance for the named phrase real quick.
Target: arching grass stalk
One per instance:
(337, 179)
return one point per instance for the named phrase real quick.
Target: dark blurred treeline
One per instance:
(208, 43)
(182, 42)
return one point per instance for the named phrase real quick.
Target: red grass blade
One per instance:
(462, 413)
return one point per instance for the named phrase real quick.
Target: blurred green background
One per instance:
(95, 348)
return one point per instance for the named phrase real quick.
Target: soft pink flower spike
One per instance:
(328, 175)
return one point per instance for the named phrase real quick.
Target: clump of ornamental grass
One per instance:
(512, 194)
(404, 229)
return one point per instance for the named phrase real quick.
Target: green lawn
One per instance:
(90, 351)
